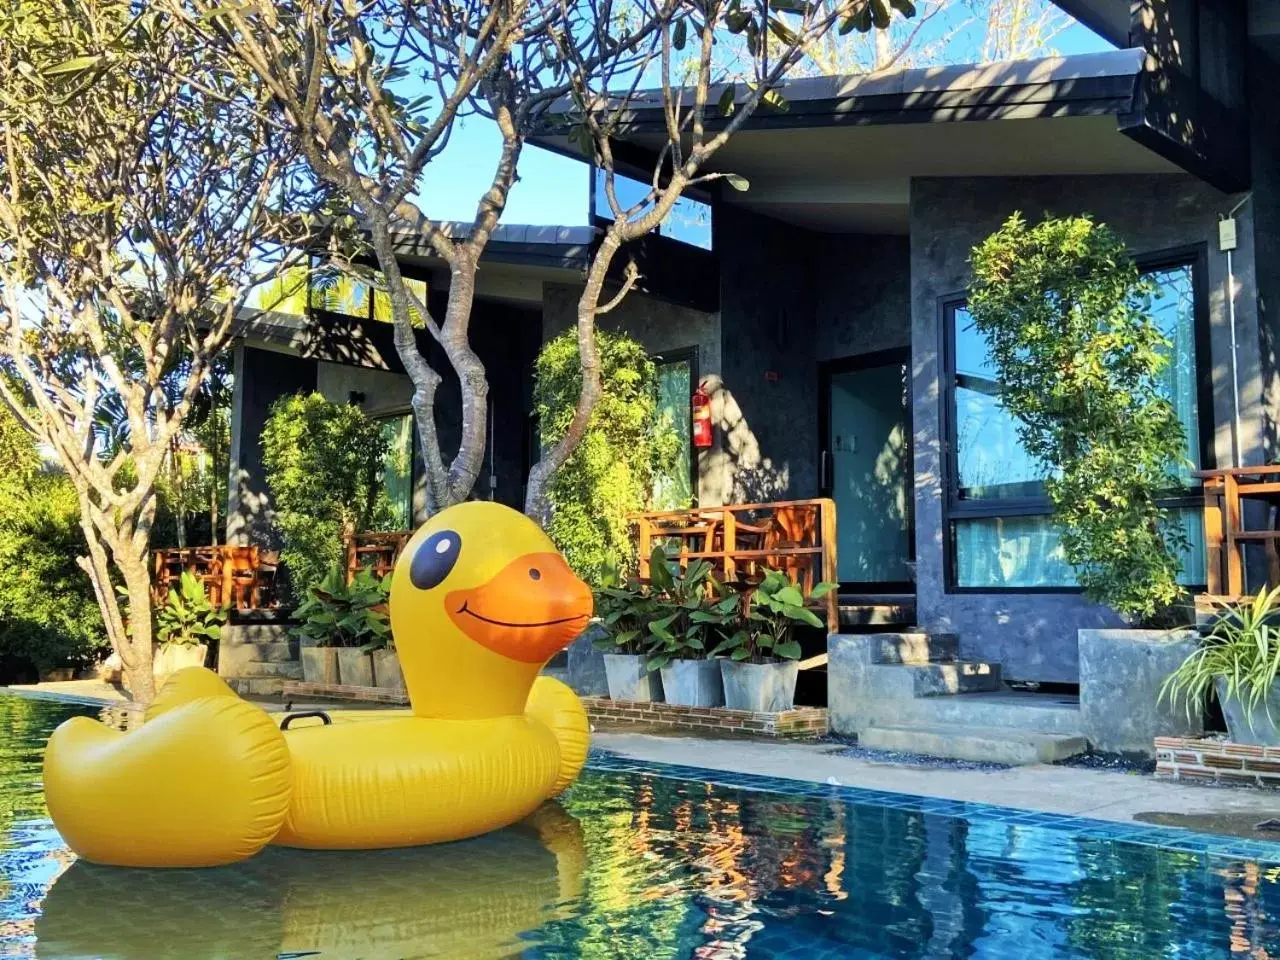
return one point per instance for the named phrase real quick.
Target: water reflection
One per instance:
(466, 900)
(638, 866)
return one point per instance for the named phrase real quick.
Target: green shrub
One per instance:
(48, 613)
(611, 473)
(1242, 650)
(188, 618)
(1065, 314)
(338, 614)
(324, 469)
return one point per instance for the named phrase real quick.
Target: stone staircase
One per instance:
(910, 692)
(254, 658)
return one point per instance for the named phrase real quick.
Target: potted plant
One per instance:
(623, 607)
(677, 631)
(185, 626)
(1081, 362)
(761, 668)
(340, 623)
(1239, 660)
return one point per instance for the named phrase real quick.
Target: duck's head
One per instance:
(480, 600)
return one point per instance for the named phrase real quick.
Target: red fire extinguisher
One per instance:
(701, 402)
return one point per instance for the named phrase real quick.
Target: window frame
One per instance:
(954, 508)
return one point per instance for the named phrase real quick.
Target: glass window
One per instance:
(1173, 308)
(689, 220)
(990, 464)
(990, 461)
(382, 302)
(673, 482)
(339, 294)
(284, 293)
(397, 469)
(1008, 552)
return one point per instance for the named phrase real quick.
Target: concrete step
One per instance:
(982, 744)
(873, 612)
(914, 647)
(271, 651)
(291, 670)
(934, 679)
(1006, 709)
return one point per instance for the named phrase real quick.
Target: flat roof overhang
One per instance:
(841, 156)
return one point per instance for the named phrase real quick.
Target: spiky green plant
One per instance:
(1242, 650)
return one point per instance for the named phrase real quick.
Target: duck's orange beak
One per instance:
(534, 607)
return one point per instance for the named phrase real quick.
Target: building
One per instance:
(823, 308)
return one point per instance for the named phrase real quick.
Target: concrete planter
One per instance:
(1261, 726)
(319, 664)
(629, 680)
(693, 683)
(355, 667)
(387, 674)
(173, 657)
(1121, 672)
(761, 687)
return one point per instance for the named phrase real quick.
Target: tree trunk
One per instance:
(138, 668)
(536, 505)
(179, 500)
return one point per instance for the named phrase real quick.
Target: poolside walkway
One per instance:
(1103, 795)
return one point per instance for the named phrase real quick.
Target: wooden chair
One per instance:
(794, 526)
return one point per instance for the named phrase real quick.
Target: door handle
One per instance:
(823, 481)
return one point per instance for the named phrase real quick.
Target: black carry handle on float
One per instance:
(305, 715)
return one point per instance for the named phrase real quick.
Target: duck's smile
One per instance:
(533, 607)
(503, 623)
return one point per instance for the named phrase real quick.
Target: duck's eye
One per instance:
(434, 559)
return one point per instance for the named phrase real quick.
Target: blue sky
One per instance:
(553, 189)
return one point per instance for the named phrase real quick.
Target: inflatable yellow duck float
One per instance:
(480, 600)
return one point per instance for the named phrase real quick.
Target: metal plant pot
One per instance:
(760, 687)
(387, 674)
(355, 667)
(320, 665)
(693, 683)
(1260, 726)
(628, 679)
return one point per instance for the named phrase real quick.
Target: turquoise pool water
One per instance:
(643, 861)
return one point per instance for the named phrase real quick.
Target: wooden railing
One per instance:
(376, 551)
(1225, 493)
(795, 536)
(243, 578)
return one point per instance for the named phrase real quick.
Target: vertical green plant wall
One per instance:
(1067, 320)
(324, 468)
(612, 472)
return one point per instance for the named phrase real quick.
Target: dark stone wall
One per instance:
(862, 290)
(769, 356)
(1264, 209)
(261, 377)
(1034, 635)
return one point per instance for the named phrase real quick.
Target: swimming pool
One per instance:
(668, 863)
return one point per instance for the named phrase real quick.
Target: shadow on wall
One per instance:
(736, 470)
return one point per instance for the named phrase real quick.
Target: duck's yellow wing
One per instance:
(555, 705)
(205, 782)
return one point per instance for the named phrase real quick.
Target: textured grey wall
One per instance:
(862, 294)
(1034, 635)
(769, 357)
(261, 377)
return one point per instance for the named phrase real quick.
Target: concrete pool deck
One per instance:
(1123, 796)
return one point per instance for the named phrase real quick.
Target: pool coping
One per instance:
(1211, 846)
